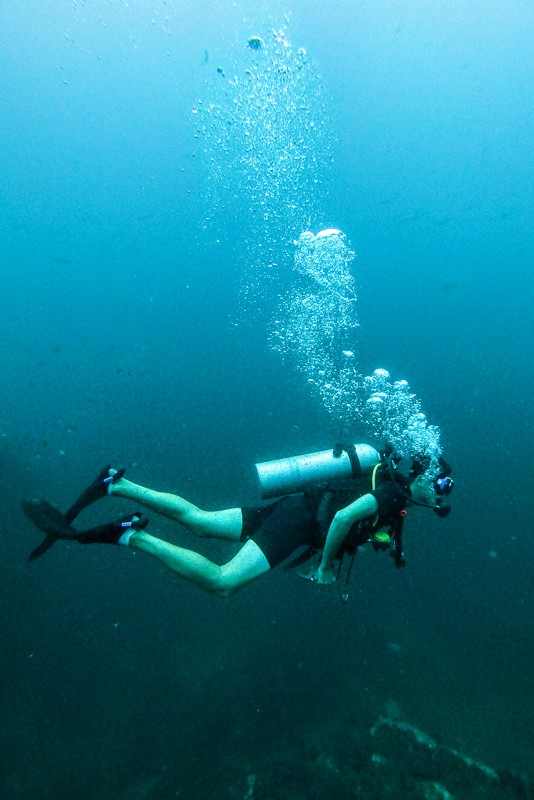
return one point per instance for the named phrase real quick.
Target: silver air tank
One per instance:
(294, 474)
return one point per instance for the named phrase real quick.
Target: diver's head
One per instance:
(422, 491)
(429, 487)
(426, 484)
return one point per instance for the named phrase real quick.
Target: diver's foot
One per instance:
(97, 489)
(117, 532)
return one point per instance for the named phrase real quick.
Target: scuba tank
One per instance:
(296, 473)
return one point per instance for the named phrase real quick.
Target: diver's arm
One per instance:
(363, 507)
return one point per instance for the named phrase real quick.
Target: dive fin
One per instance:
(47, 542)
(51, 521)
(97, 489)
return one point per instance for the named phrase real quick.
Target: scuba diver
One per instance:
(320, 508)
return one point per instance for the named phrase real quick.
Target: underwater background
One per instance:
(144, 250)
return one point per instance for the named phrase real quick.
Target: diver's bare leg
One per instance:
(227, 524)
(247, 565)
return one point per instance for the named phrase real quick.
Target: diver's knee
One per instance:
(225, 589)
(247, 565)
(224, 592)
(225, 585)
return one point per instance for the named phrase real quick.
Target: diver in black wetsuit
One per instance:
(326, 521)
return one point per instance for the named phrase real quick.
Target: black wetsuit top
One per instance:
(299, 520)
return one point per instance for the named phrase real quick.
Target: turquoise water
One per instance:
(155, 174)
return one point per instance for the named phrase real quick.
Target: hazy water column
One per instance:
(267, 148)
(317, 323)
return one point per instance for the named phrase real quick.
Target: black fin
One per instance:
(51, 521)
(95, 491)
(45, 545)
(48, 518)
(111, 532)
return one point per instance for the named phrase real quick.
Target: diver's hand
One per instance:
(324, 576)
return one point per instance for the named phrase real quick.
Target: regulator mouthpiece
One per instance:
(442, 509)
